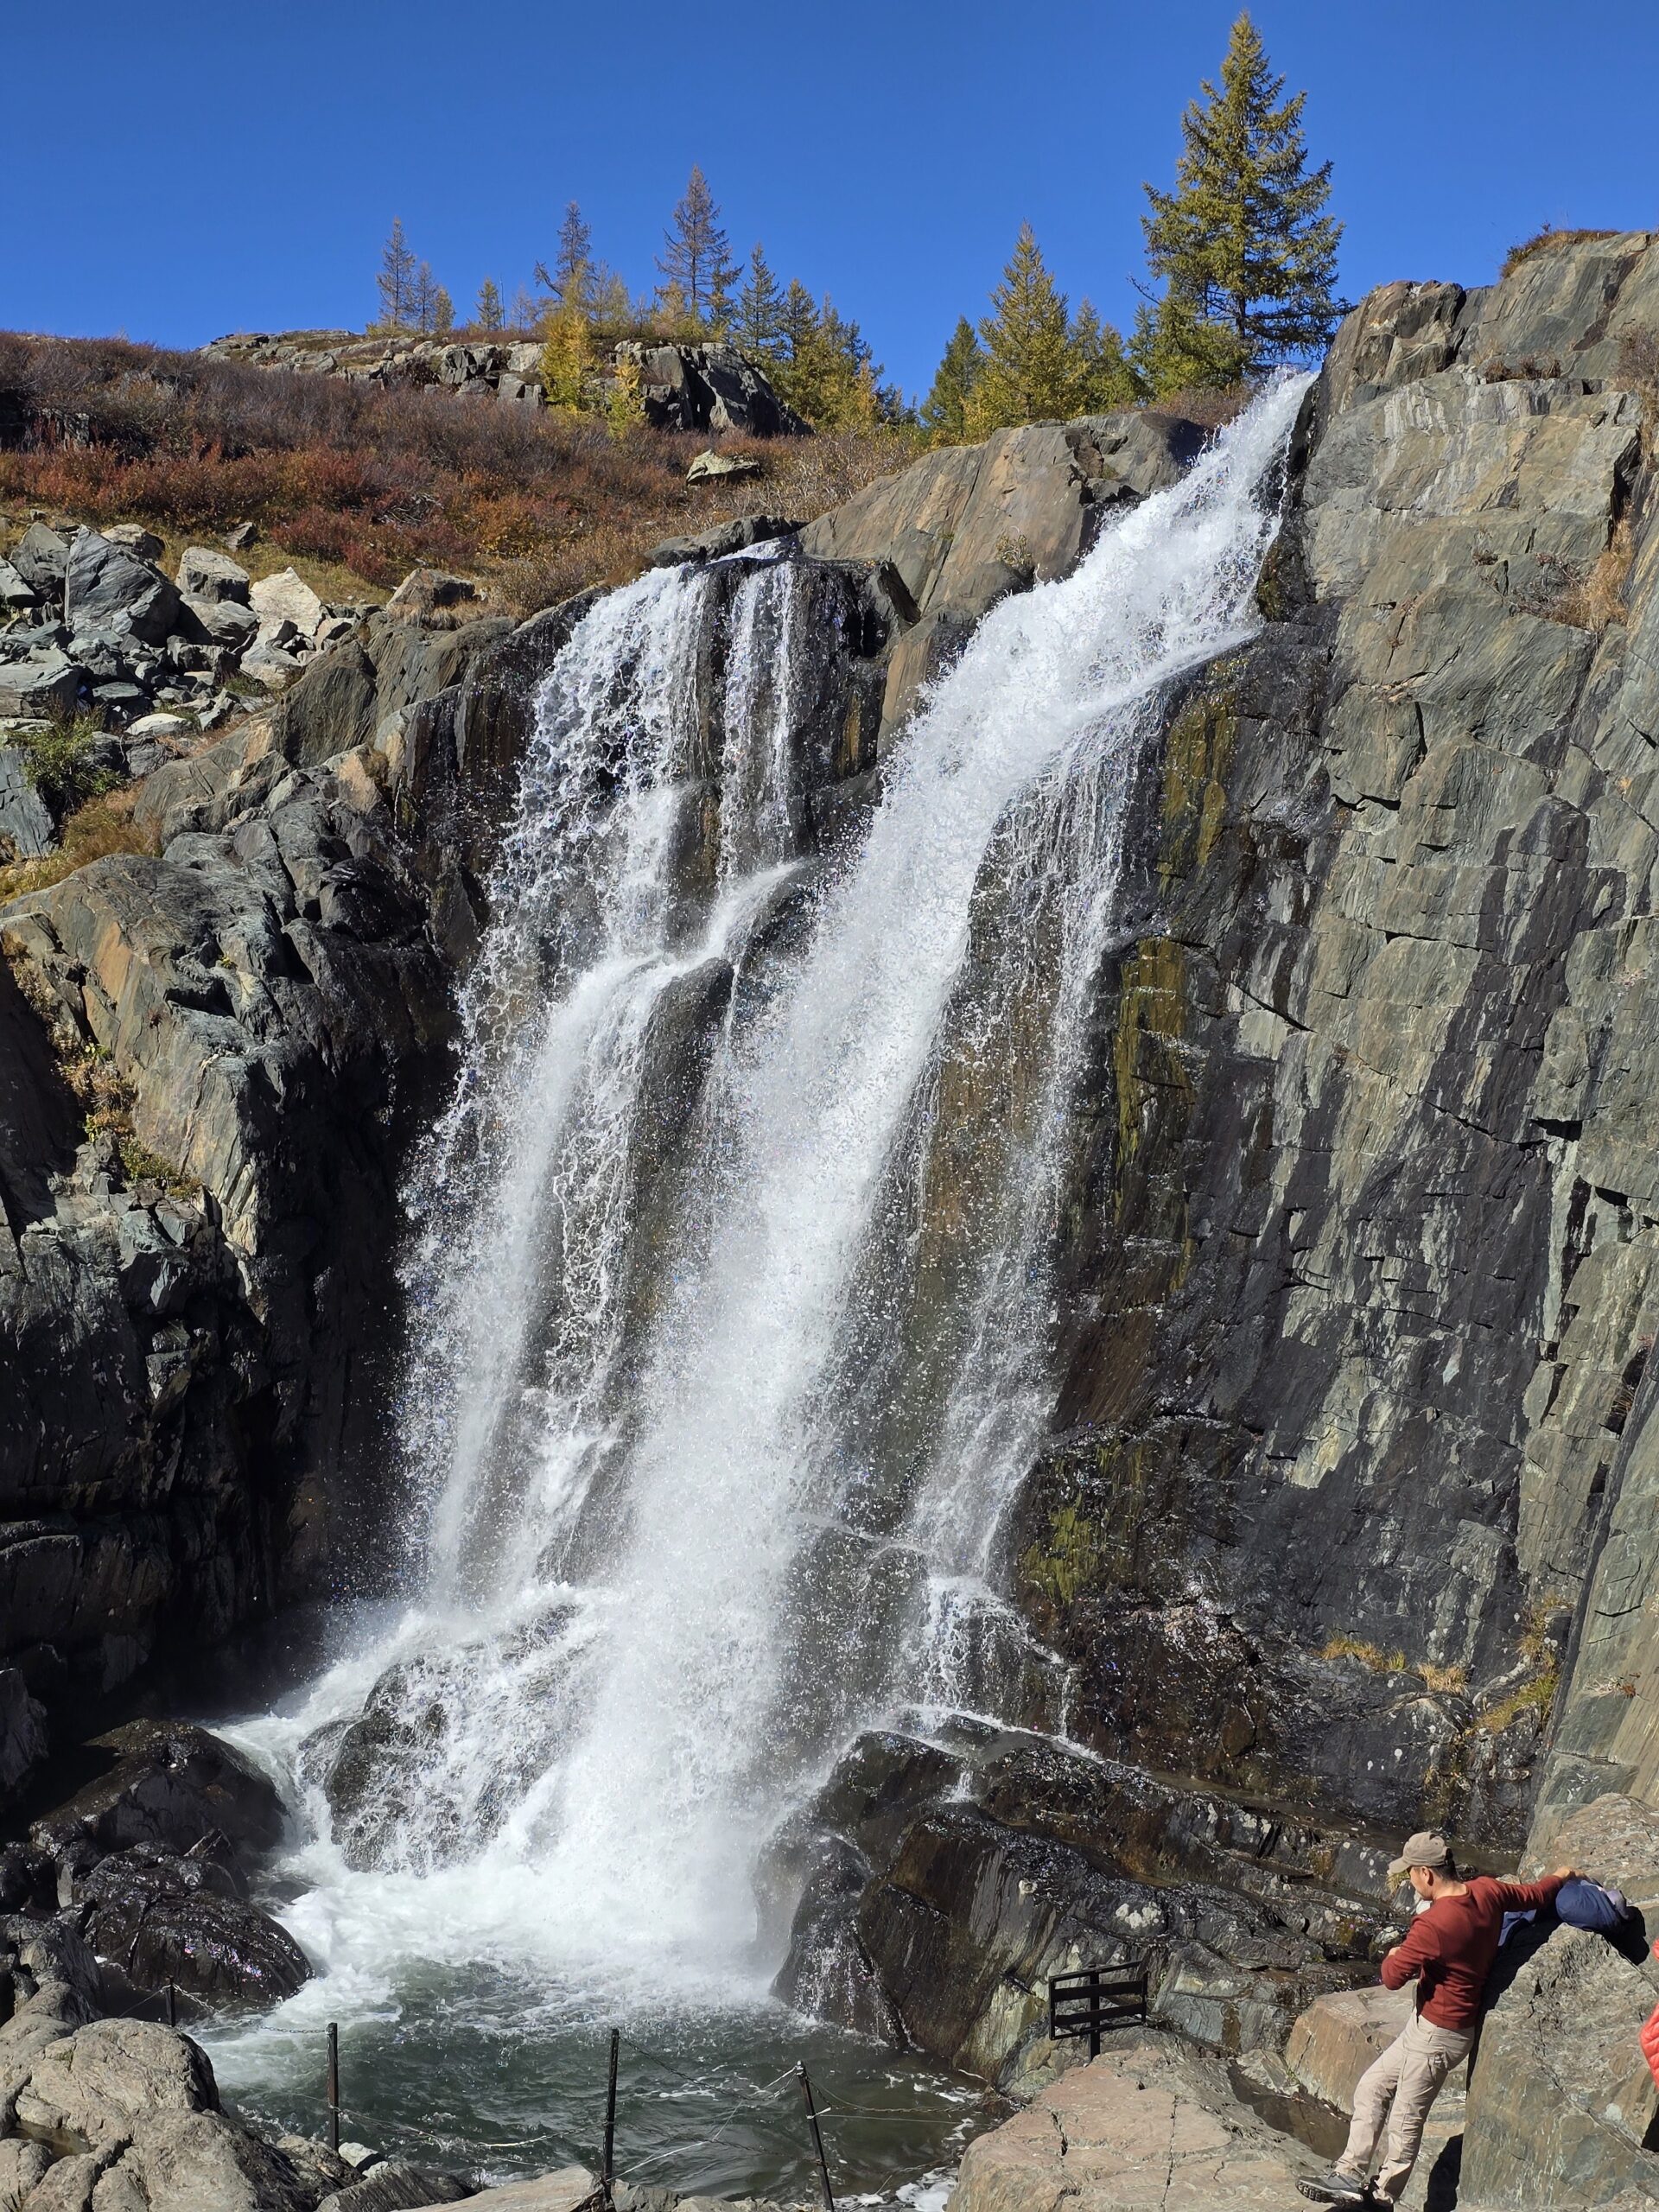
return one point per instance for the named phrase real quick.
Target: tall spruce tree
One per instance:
(758, 323)
(489, 314)
(396, 282)
(1105, 378)
(944, 411)
(1030, 372)
(696, 256)
(1243, 246)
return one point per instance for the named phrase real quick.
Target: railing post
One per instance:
(817, 2136)
(608, 2175)
(333, 2085)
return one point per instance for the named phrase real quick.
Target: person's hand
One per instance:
(1566, 1874)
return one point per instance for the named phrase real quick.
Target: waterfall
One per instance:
(732, 1273)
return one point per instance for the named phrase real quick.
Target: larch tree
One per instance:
(1030, 369)
(1244, 245)
(443, 314)
(944, 411)
(489, 314)
(695, 260)
(396, 279)
(424, 299)
(1105, 377)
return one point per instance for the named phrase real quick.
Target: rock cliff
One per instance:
(1346, 1519)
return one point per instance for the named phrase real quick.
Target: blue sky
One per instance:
(184, 170)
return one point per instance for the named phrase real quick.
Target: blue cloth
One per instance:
(1587, 1904)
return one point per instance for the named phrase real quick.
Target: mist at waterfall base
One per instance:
(730, 1279)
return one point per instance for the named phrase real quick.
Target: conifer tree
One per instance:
(1246, 252)
(524, 313)
(396, 282)
(944, 411)
(758, 325)
(489, 314)
(696, 254)
(799, 318)
(569, 281)
(1105, 378)
(443, 313)
(1030, 371)
(424, 299)
(566, 357)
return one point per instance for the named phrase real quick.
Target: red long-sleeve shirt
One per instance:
(1452, 1946)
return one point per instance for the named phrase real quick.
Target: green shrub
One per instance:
(58, 761)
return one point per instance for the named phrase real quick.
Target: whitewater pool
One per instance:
(475, 2005)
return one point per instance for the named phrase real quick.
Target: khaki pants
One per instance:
(1397, 2090)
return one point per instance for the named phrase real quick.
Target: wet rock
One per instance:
(92, 2090)
(566, 2189)
(163, 1918)
(23, 1728)
(393, 2185)
(725, 537)
(828, 1974)
(169, 1786)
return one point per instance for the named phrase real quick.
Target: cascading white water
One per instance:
(718, 1422)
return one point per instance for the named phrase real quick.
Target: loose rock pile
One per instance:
(681, 387)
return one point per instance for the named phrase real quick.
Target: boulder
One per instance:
(52, 1953)
(39, 690)
(224, 622)
(22, 1720)
(26, 825)
(286, 597)
(41, 558)
(1337, 2037)
(203, 2161)
(204, 573)
(712, 467)
(394, 2185)
(17, 592)
(1140, 2127)
(332, 707)
(67, 2185)
(136, 539)
(241, 536)
(169, 1784)
(566, 2189)
(53, 2013)
(91, 2091)
(22, 2164)
(723, 538)
(273, 666)
(429, 595)
(107, 587)
(165, 1918)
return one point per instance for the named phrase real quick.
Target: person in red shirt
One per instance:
(1450, 1950)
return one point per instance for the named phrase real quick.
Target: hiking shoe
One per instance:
(1337, 2189)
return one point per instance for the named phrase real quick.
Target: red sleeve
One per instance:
(1420, 1948)
(1527, 1897)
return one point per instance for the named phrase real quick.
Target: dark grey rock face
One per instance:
(165, 1918)
(105, 585)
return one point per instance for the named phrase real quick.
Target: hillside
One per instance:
(356, 480)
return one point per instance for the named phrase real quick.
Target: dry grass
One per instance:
(103, 826)
(356, 484)
(1546, 241)
(1447, 1680)
(1589, 601)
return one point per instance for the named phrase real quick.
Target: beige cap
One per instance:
(1426, 1848)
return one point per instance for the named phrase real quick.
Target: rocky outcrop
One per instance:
(96, 628)
(681, 387)
(959, 529)
(1562, 2109)
(1145, 2125)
